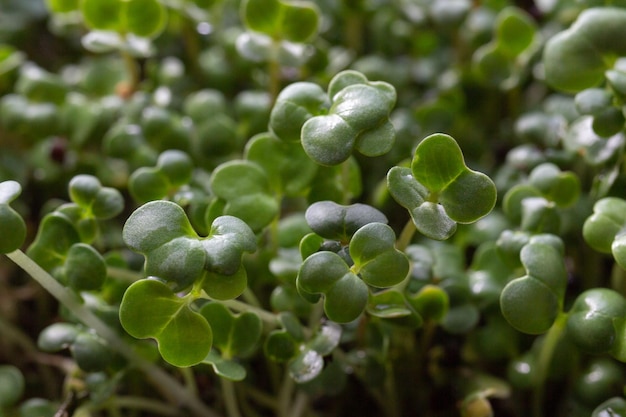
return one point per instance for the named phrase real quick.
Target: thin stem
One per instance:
(163, 381)
(345, 181)
(273, 70)
(145, 404)
(269, 318)
(548, 348)
(404, 240)
(133, 71)
(285, 394)
(125, 275)
(230, 398)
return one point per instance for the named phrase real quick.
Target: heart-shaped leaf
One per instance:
(97, 201)
(440, 190)
(150, 309)
(295, 22)
(375, 257)
(596, 322)
(544, 283)
(578, 57)
(234, 335)
(357, 119)
(296, 104)
(55, 236)
(338, 222)
(174, 168)
(84, 267)
(345, 294)
(245, 188)
(605, 229)
(161, 231)
(289, 169)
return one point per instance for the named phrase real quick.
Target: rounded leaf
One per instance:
(144, 18)
(102, 14)
(338, 222)
(85, 268)
(578, 57)
(11, 385)
(150, 309)
(591, 321)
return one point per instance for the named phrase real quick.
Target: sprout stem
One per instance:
(163, 381)
(548, 348)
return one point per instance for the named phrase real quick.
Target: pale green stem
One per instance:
(345, 181)
(269, 318)
(142, 404)
(273, 70)
(163, 381)
(548, 347)
(124, 274)
(406, 235)
(230, 398)
(300, 405)
(285, 394)
(132, 69)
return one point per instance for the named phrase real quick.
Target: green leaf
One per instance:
(84, 267)
(295, 22)
(595, 322)
(150, 309)
(233, 334)
(578, 57)
(515, 31)
(338, 222)
(12, 385)
(162, 232)
(296, 104)
(345, 294)
(174, 168)
(280, 346)
(97, 201)
(245, 187)
(103, 14)
(55, 236)
(57, 336)
(144, 18)
(613, 407)
(544, 284)
(440, 190)
(375, 257)
(357, 119)
(431, 302)
(225, 368)
(62, 6)
(607, 221)
(11, 223)
(289, 169)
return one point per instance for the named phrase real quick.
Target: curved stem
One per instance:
(163, 381)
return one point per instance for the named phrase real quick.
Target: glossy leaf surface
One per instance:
(596, 322)
(604, 230)
(161, 231)
(338, 222)
(358, 118)
(544, 283)
(439, 190)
